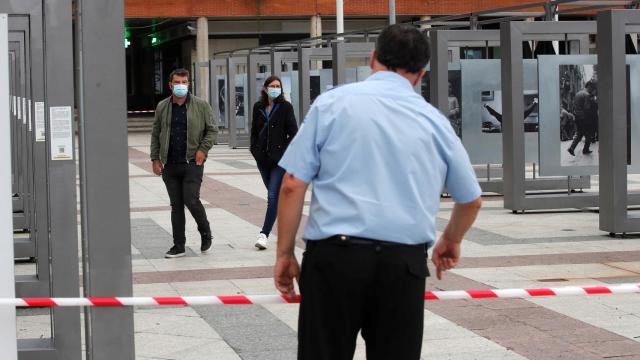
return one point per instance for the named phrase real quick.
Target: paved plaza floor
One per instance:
(502, 250)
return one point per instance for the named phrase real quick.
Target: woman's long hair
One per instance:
(264, 98)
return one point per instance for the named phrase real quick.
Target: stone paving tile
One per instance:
(250, 330)
(151, 239)
(524, 329)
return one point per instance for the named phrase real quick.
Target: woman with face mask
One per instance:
(273, 126)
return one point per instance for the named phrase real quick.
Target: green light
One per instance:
(154, 40)
(126, 43)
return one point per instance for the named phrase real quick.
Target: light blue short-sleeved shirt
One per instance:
(378, 157)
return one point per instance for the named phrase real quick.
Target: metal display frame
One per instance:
(54, 182)
(441, 41)
(253, 60)
(197, 78)
(288, 58)
(341, 51)
(20, 155)
(550, 157)
(214, 93)
(305, 56)
(8, 329)
(234, 140)
(612, 81)
(106, 234)
(512, 34)
(24, 234)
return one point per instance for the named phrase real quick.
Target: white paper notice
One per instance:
(40, 128)
(24, 111)
(29, 115)
(61, 127)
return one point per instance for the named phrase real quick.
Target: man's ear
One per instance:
(420, 76)
(373, 59)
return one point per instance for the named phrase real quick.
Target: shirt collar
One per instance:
(390, 76)
(186, 101)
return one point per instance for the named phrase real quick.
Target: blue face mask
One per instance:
(180, 90)
(274, 92)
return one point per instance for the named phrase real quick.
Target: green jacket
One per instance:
(202, 130)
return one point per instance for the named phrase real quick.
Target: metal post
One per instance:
(339, 63)
(392, 12)
(612, 132)
(105, 214)
(63, 233)
(8, 341)
(512, 109)
(339, 17)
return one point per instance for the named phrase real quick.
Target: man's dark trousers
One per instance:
(183, 182)
(375, 289)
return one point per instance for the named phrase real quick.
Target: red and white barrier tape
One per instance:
(278, 299)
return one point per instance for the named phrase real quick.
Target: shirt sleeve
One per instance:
(461, 181)
(302, 157)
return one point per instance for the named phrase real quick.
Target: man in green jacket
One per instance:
(183, 133)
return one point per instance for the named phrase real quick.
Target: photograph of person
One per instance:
(578, 115)
(454, 110)
(492, 112)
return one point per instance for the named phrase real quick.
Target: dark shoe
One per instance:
(175, 252)
(586, 152)
(570, 150)
(205, 246)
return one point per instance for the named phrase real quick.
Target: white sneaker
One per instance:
(261, 241)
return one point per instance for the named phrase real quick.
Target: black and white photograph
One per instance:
(578, 115)
(454, 113)
(492, 111)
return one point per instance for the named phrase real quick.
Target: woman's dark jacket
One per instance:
(268, 143)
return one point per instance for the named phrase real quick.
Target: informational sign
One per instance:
(41, 134)
(61, 126)
(29, 115)
(24, 111)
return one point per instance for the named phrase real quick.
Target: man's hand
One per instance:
(201, 156)
(284, 272)
(157, 167)
(445, 255)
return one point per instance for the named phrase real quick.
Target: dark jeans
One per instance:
(375, 289)
(272, 179)
(588, 135)
(183, 185)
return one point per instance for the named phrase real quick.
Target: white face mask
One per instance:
(180, 90)
(274, 92)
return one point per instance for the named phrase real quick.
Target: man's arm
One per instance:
(210, 130)
(155, 143)
(210, 135)
(493, 113)
(290, 206)
(446, 252)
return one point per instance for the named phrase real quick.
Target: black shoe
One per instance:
(586, 152)
(570, 150)
(205, 246)
(175, 252)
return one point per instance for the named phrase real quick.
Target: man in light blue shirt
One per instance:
(378, 157)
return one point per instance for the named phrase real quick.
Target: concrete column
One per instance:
(315, 30)
(202, 55)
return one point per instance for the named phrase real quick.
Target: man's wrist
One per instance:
(285, 254)
(451, 239)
